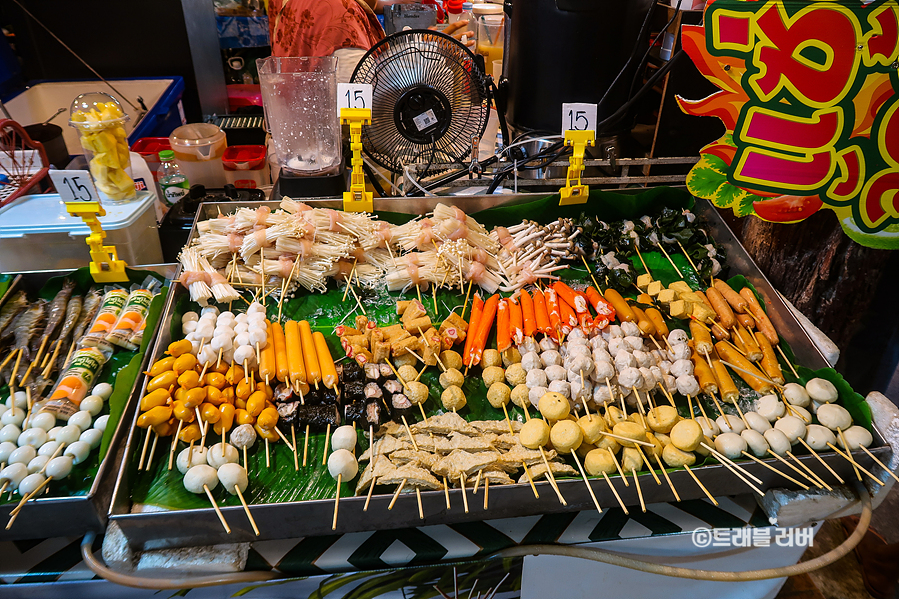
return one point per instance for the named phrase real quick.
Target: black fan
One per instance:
(429, 97)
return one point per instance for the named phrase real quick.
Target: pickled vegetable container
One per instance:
(99, 117)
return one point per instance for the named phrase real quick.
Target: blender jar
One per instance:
(99, 119)
(199, 148)
(299, 95)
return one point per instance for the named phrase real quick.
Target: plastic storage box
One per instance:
(36, 233)
(161, 95)
(149, 148)
(246, 166)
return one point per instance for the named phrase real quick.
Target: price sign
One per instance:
(578, 117)
(353, 95)
(74, 186)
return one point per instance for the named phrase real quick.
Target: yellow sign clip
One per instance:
(357, 199)
(574, 191)
(105, 264)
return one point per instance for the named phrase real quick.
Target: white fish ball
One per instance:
(200, 476)
(757, 422)
(81, 419)
(10, 433)
(209, 310)
(14, 473)
(792, 427)
(233, 475)
(189, 317)
(31, 483)
(241, 318)
(104, 390)
(241, 339)
(34, 437)
(220, 342)
(92, 437)
(822, 390)
(731, 445)
(796, 394)
(258, 336)
(255, 307)
(777, 441)
(344, 438)
(756, 442)
(14, 416)
(241, 327)
(197, 458)
(48, 448)
(856, 437)
(770, 407)
(92, 404)
(100, 423)
(37, 463)
(833, 416)
(22, 455)
(68, 434)
(342, 463)
(818, 437)
(188, 327)
(60, 467)
(79, 450)
(217, 456)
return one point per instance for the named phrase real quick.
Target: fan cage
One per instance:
(445, 72)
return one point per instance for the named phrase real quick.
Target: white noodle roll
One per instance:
(194, 277)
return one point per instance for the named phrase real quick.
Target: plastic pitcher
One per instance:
(199, 148)
(300, 100)
(99, 117)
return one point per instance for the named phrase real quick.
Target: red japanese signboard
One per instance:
(808, 95)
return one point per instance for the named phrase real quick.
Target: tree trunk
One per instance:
(827, 276)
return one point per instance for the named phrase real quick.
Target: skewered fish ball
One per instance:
(407, 373)
(13, 474)
(687, 385)
(796, 395)
(551, 358)
(491, 358)
(233, 477)
(592, 426)
(777, 441)
(519, 397)
(792, 427)
(92, 437)
(822, 390)
(6, 448)
(856, 437)
(451, 359)
(79, 450)
(493, 374)
(686, 435)
(243, 436)
(44, 420)
(100, 423)
(536, 378)
(342, 463)
(561, 387)
(31, 483)
(556, 373)
(22, 455)
(629, 430)
(662, 418)
(417, 392)
(757, 422)
(614, 415)
(834, 416)
(800, 413)
(197, 457)
(731, 445)
(189, 317)
(676, 457)
(59, 467)
(534, 433)
(14, 416)
(216, 456)
(756, 442)
(344, 437)
(511, 356)
(200, 476)
(598, 461)
(453, 398)
(68, 434)
(10, 433)
(554, 406)
(566, 436)
(535, 393)
(405, 359)
(499, 394)
(770, 407)
(729, 423)
(709, 428)
(80, 419)
(19, 399)
(818, 436)
(37, 463)
(516, 375)
(104, 390)
(631, 459)
(451, 376)
(92, 404)
(32, 436)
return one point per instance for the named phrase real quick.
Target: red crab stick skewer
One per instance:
(516, 325)
(503, 332)
(569, 316)
(555, 315)
(485, 323)
(477, 308)
(541, 313)
(529, 314)
(605, 312)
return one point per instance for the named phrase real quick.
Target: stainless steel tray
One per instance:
(73, 516)
(180, 528)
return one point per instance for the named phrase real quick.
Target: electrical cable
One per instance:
(625, 561)
(641, 66)
(373, 180)
(140, 582)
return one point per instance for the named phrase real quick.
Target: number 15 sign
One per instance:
(74, 186)
(353, 95)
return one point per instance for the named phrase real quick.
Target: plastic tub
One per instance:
(36, 233)
(199, 148)
(162, 96)
(246, 166)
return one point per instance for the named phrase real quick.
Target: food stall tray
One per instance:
(48, 517)
(155, 528)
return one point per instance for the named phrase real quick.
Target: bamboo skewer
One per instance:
(293, 435)
(862, 468)
(396, 494)
(586, 481)
(773, 469)
(552, 479)
(246, 508)
(218, 512)
(337, 501)
(801, 473)
(810, 472)
(615, 493)
(639, 490)
(464, 496)
(820, 459)
(618, 467)
(849, 453)
(446, 492)
(9, 357)
(790, 364)
(736, 469)
(421, 513)
(649, 465)
(667, 478)
(879, 463)
(143, 453)
(701, 486)
(679, 273)
(175, 444)
(306, 446)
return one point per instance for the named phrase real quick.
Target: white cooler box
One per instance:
(36, 233)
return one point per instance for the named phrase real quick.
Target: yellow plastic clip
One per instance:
(574, 191)
(357, 199)
(105, 264)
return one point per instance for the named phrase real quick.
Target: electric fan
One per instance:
(429, 98)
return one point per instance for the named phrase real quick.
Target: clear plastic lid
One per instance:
(96, 110)
(197, 134)
(487, 9)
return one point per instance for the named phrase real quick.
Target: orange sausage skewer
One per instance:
(268, 368)
(295, 360)
(282, 371)
(325, 361)
(310, 356)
